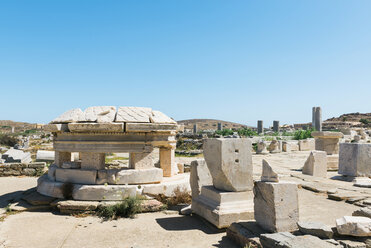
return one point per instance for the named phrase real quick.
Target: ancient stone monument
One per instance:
(99, 130)
(327, 141)
(276, 207)
(229, 199)
(260, 127)
(355, 159)
(317, 118)
(220, 127)
(316, 164)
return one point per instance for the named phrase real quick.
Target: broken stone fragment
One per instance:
(316, 164)
(317, 229)
(268, 174)
(365, 212)
(354, 226)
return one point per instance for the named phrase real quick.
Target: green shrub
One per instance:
(179, 197)
(303, 134)
(365, 121)
(128, 208)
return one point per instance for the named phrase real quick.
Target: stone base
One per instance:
(82, 192)
(333, 162)
(222, 208)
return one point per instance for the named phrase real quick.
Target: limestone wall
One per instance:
(20, 169)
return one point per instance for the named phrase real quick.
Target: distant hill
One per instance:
(210, 124)
(6, 126)
(349, 120)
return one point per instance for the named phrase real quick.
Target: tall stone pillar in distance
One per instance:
(260, 127)
(195, 128)
(276, 126)
(219, 126)
(317, 118)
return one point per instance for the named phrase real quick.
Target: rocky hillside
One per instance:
(350, 120)
(210, 124)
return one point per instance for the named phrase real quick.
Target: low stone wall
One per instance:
(20, 169)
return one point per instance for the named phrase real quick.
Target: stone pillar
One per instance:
(317, 118)
(327, 141)
(142, 160)
(92, 160)
(276, 126)
(219, 126)
(195, 128)
(260, 127)
(167, 161)
(61, 157)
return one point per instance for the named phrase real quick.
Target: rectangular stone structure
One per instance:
(260, 127)
(276, 126)
(355, 159)
(61, 157)
(92, 160)
(141, 160)
(76, 176)
(195, 129)
(327, 141)
(167, 161)
(276, 207)
(230, 163)
(222, 208)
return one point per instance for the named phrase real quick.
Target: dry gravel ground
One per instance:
(46, 229)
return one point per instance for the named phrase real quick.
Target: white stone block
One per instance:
(276, 207)
(76, 176)
(139, 176)
(222, 208)
(230, 163)
(100, 114)
(355, 159)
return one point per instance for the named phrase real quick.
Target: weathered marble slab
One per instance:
(69, 116)
(100, 114)
(159, 117)
(133, 114)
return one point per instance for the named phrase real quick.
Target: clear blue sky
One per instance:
(232, 60)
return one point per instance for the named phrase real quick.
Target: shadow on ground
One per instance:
(184, 223)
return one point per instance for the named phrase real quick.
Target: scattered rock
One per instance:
(268, 175)
(363, 182)
(317, 229)
(246, 234)
(274, 239)
(354, 226)
(151, 206)
(352, 244)
(365, 212)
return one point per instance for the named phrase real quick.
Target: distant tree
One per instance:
(364, 121)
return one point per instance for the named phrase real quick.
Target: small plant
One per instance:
(128, 208)
(67, 189)
(179, 197)
(38, 172)
(365, 121)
